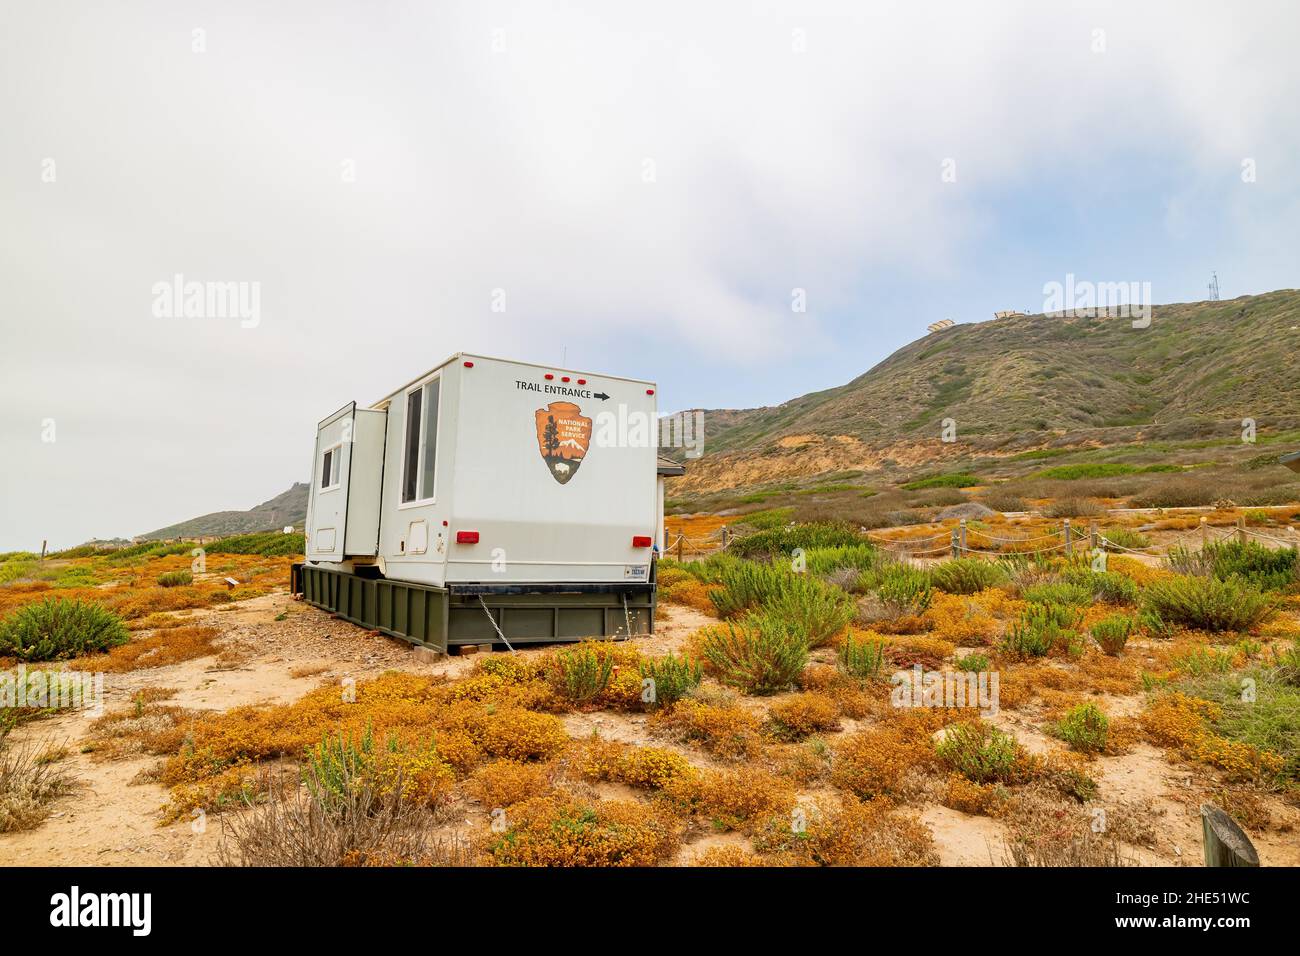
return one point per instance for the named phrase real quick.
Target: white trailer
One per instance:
(488, 501)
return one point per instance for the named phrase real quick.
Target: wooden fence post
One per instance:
(961, 540)
(1241, 529)
(724, 535)
(43, 544)
(1205, 532)
(956, 544)
(1094, 536)
(1225, 843)
(681, 538)
(1069, 541)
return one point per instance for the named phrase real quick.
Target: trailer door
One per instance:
(327, 513)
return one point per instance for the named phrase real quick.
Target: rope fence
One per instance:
(963, 540)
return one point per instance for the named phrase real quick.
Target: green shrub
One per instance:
(766, 520)
(1108, 587)
(14, 570)
(1264, 568)
(268, 544)
(1043, 628)
(1127, 538)
(1207, 603)
(1059, 592)
(1084, 728)
(1112, 633)
(782, 541)
(581, 673)
(862, 659)
(759, 653)
(968, 575)
(956, 480)
(55, 630)
(747, 584)
(1203, 660)
(78, 576)
(903, 589)
(1086, 470)
(816, 611)
(822, 561)
(979, 752)
(973, 662)
(673, 678)
(171, 579)
(1153, 624)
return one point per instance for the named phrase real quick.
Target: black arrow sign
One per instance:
(601, 395)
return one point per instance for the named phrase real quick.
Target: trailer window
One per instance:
(429, 453)
(421, 446)
(329, 471)
(411, 467)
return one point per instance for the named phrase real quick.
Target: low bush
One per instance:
(567, 831)
(56, 629)
(293, 828)
(1073, 508)
(968, 575)
(903, 589)
(782, 541)
(1043, 628)
(973, 662)
(671, 679)
(1108, 587)
(862, 658)
(979, 752)
(1264, 568)
(1084, 728)
(954, 480)
(1068, 593)
(818, 612)
(822, 561)
(1207, 603)
(761, 653)
(800, 715)
(582, 673)
(1127, 538)
(171, 579)
(726, 731)
(1112, 632)
(746, 584)
(27, 783)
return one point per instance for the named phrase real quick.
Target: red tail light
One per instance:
(642, 541)
(467, 537)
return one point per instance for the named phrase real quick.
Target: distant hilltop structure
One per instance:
(941, 324)
(1009, 314)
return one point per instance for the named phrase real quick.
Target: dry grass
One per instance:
(29, 781)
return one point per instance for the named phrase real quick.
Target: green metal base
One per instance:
(441, 618)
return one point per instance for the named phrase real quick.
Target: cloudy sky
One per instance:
(643, 187)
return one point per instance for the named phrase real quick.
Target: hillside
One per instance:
(1028, 382)
(287, 508)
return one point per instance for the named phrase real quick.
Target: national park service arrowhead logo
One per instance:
(563, 437)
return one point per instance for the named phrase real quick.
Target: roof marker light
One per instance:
(469, 364)
(582, 381)
(548, 376)
(649, 391)
(564, 378)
